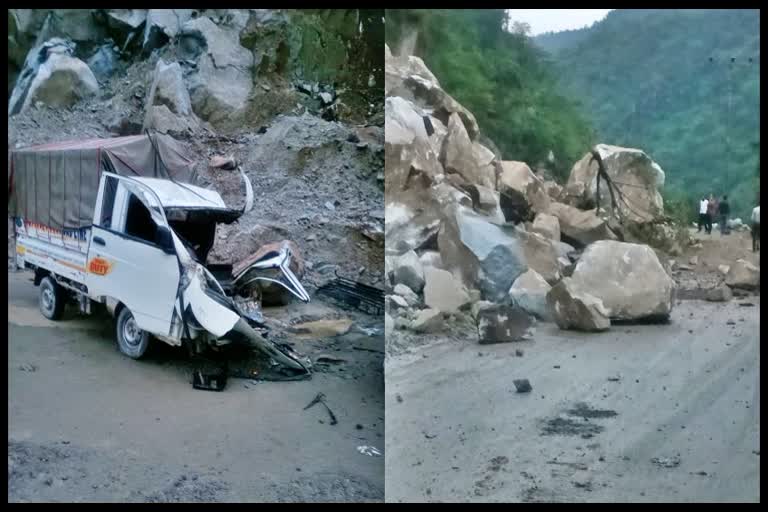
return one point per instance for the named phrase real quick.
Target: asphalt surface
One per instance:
(643, 413)
(89, 424)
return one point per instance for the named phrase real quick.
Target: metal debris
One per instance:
(320, 398)
(356, 295)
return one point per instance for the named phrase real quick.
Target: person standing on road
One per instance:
(724, 209)
(712, 207)
(703, 204)
(756, 228)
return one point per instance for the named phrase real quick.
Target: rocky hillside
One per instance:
(684, 84)
(294, 96)
(487, 244)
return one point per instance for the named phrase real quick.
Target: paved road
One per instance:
(90, 424)
(689, 390)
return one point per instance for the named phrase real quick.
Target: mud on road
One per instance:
(643, 413)
(88, 424)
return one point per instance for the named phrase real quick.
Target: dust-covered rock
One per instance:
(547, 225)
(529, 292)
(628, 278)
(743, 275)
(443, 292)
(574, 309)
(579, 227)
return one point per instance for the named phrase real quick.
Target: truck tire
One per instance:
(52, 299)
(131, 340)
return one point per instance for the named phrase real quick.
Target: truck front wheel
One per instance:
(52, 299)
(131, 340)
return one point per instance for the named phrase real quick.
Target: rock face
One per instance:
(547, 226)
(573, 309)
(162, 25)
(53, 76)
(483, 255)
(529, 292)
(408, 271)
(458, 155)
(578, 227)
(501, 323)
(221, 82)
(628, 278)
(637, 177)
(442, 292)
(743, 275)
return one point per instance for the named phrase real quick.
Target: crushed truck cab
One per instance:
(143, 251)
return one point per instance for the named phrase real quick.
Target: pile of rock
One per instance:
(235, 65)
(470, 234)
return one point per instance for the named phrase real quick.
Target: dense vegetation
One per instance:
(489, 64)
(684, 85)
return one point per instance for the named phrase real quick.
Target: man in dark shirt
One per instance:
(724, 210)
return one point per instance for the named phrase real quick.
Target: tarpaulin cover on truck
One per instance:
(57, 184)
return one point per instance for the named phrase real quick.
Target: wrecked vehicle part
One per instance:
(243, 331)
(248, 192)
(219, 315)
(273, 260)
(356, 295)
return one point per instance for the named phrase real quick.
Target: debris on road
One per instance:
(667, 462)
(522, 385)
(371, 451)
(210, 381)
(26, 367)
(320, 398)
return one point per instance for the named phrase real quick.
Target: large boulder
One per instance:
(541, 255)
(408, 271)
(502, 323)
(743, 275)
(169, 109)
(409, 77)
(221, 82)
(578, 227)
(443, 292)
(628, 278)
(721, 293)
(518, 177)
(126, 25)
(52, 76)
(459, 155)
(427, 321)
(529, 292)
(574, 309)
(481, 254)
(637, 178)
(403, 121)
(547, 225)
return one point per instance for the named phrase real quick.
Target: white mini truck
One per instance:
(115, 222)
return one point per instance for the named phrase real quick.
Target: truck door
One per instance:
(125, 262)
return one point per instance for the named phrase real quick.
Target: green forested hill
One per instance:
(498, 73)
(684, 85)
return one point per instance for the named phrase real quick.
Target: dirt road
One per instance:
(639, 413)
(88, 424)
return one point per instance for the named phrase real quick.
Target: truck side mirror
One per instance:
(164, 239)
